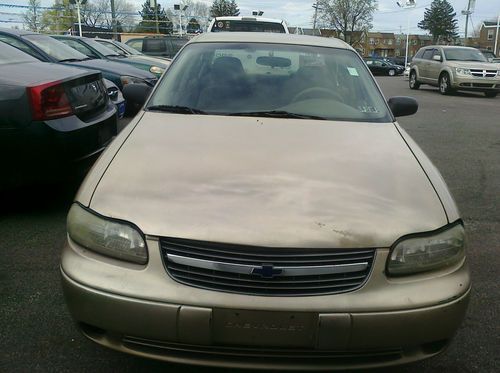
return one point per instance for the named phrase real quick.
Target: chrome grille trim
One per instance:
(263, 270)
(285, 271)
(484, 73)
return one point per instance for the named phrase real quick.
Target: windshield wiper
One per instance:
(70, 60)
(175, 109)
(276, 114)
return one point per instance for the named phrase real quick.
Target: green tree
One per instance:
(224, 8)
(33, 16)
(347, 17)
(61, 17)
(440, 21)
(148, 23)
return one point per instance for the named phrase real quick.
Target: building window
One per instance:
(372, 41)
(390, 41)
(490, 34)
(414, 42)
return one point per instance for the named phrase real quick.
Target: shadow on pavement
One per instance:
(39, 197)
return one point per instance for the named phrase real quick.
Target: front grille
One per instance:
(264, 270)
(483, 73)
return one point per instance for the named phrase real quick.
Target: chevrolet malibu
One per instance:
(265, 210)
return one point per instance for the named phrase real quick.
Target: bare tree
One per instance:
(98, 14)
(348, 17)
(198, 10)
(33, 16)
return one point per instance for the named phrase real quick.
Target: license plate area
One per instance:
(264, 328)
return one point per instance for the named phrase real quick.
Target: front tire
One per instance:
(490, 94)
(414, 84)
(445, 84)
(392, 72)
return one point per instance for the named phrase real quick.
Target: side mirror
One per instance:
(136, 96)
(437, 58)
(402, 106)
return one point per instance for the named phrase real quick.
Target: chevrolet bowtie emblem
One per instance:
(267, 271)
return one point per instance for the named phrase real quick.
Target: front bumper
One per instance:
(142, 311)
(475, 84)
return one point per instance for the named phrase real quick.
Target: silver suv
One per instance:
(454, 68)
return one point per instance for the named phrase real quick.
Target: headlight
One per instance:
(426, 253)
(131, 79)
(462, 71)
(157, 70)
(108, 237)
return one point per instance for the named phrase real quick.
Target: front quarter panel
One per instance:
(434, 176)
(86, 191)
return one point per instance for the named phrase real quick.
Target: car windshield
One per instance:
(55, 48)
(110, 45)
(129, 50)
(247, 26)
(9, 55)
(105, 51)
(270, 80)
(464, 54)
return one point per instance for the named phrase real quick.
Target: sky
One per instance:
(388, 18)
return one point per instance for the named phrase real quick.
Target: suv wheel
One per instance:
(444, 84)
(392, 72)
(414, 84)
(490, 94)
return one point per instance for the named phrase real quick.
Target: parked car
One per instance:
(92, 49)
(267, 215)
(47, 49)
(247, 24)
(126, 50)
(454, 68)
(399, 60)
(489, 55)
(380, 67)
(116, 97)
(54, 118)
(158, 46)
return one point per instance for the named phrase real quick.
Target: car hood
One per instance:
(473, 65)
(150, 61)
(268, 182)
(114, 68)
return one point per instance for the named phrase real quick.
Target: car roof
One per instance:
(17, 32)
(248, 18)
(448, 46)
(274, 38)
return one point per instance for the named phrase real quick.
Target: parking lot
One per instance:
(460, 134)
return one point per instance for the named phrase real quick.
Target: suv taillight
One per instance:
(49, 101)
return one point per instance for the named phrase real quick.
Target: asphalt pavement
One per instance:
(461, 135)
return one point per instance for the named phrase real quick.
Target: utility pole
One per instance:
(496, 35)
(154, 3)
(470, 9)
(113, 20)
(315, 6)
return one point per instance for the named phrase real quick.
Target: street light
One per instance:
(408, 4)
(78, 3)
(178, 7)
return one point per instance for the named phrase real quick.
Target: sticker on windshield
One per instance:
(352, 71)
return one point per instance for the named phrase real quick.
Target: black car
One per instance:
(53, 118)
(159, 46)
(381, 67)
(47, 49)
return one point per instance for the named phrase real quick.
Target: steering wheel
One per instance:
(317, 91)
